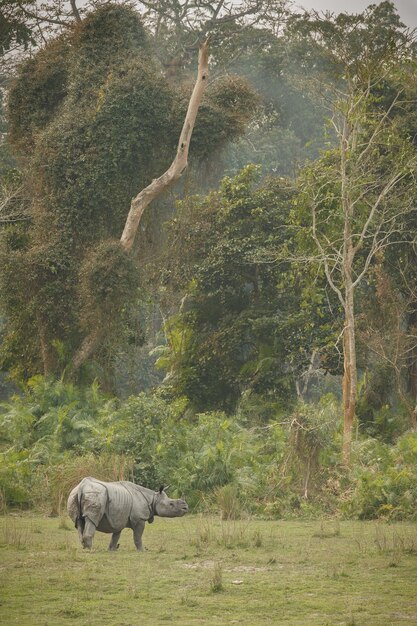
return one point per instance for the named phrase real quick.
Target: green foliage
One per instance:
(7, 163)
(313, 430)
(53, 423)
(110, 31)
(51, 417)
(89, 121)
(379, 412)
(216, 451)
(37, 431)
(355, 199)
(137, 429)
(36, 94)
(14, 290)
(229, 105)
(386, 482)
(247, 322)
(194, 457)
(287, 127)
(107, 283)
(56, 480)
(347, 47)
(13, 27)
(92, 120)
(55, 433)
(227, 499)
(16, 478)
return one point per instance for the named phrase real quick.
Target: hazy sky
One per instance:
(406, 8)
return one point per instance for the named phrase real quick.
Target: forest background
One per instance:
(257, 349)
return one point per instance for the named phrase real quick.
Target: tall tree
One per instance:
(360, 192)
(14, 29)
(245, 324)
(92, 121)
(152, 191)
(178, 26)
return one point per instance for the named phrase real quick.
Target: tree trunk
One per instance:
(49, 356)
(152, 191)
(350, 375)
(412, 370)
(87, 348)
(179, 164)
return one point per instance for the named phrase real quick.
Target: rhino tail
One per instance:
(80, 519)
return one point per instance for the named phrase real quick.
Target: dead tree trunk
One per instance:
(178, 166)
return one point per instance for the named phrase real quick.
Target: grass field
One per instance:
(199, 570)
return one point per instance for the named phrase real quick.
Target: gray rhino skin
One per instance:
(111, 507)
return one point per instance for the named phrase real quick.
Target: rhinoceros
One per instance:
(111, 507)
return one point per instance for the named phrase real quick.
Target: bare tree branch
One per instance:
(145, 197)
(180, 162)
(75, 11)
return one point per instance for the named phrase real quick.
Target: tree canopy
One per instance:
(282, 263)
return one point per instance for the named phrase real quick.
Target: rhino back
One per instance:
(119, 506)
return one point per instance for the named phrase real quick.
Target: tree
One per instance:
(178, 26)
(388, 338)
(13, 28)
(245, 325)
(154, 189)
(360, 192)
(92, 120)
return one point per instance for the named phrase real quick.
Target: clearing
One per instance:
(200, 570)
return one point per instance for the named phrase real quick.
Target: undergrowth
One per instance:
(55, 434)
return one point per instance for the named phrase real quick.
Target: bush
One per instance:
(194, 456)
(39, 430)
(16, 479)
(227, 499)
(386, 480)
(55, 434)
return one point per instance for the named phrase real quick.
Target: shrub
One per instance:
(38, 431)
(55, 434)
(386, 481)
(16, 479)
(227, 499)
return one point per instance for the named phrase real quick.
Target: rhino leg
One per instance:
(80, 524)
(88, 534)
(137, 535)
(114, 539)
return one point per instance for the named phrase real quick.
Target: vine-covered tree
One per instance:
(92, 120)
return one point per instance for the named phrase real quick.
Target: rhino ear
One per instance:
(161, 488)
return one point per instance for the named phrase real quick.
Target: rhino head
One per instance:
(166, 507)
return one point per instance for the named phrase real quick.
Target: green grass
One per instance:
(204, 571)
